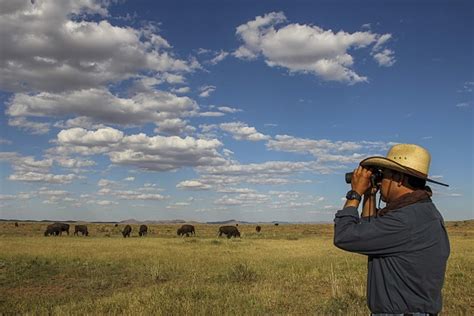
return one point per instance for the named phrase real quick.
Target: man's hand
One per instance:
(361, 180)
(361, 184)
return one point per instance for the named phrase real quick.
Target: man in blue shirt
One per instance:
(406, 242)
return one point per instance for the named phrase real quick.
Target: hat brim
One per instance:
(392, 165)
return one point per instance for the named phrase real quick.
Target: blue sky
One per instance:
(212, 110)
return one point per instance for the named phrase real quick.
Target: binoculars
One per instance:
(375, 178)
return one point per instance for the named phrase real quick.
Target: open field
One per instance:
(286, 269)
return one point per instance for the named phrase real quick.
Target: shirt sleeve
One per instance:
(379, 236)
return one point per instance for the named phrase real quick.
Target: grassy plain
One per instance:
(284, 270)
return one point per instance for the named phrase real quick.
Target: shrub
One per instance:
(241, 273)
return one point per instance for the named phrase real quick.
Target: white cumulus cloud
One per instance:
(67, 45)
(181, 90)
(206, 91)
(385, 57)
(105, 202)
(175, 126)
(248, 199)
(220, 56)
(100, 105)
(192, 185)
(228, 109)
(29, 169)
(242, 131)
(326, 151)
(157, 153)
(35, 128)
(80, 137)
(303, 48)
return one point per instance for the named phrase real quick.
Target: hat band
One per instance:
(420, 175)
(416, 173)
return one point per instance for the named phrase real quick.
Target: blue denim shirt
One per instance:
(407, 252)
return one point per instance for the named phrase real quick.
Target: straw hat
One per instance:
(410, 159)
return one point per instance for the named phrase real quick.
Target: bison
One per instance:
(16, 224)
(258, 229)
(229, 231)
(126, 231)
(186, 230)
(81, 229)
(143, 230)
(63, 227)
(52, 230)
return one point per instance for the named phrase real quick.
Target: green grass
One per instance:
(289, 269)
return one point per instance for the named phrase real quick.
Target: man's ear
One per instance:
(403, 180)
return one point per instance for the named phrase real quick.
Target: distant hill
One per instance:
(229, 222)
(173, 221)
(151, 222)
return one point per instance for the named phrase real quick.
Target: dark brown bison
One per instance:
(126, 231)
(81, 229)
(143, 230)
(63, 227)
(186, 230)
(229, 231)
(116, 225)
(52, 230)
(276, 224)
(16, 224)
(258, 229)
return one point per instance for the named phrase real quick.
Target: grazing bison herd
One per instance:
(126, 231)
(56, 229)
(229, 231)
(81, 229)
(186, 230)
(143, 230)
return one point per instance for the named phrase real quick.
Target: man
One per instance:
(406, 242)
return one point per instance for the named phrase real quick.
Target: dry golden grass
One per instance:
(284, 270)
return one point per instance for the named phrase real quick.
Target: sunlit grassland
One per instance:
(286, 269)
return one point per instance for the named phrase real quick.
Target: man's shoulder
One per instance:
(422, 210)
